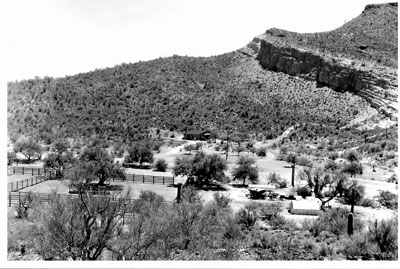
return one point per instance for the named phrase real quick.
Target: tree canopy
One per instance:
(326, 185)
(245, 170)
(140, 153)
(28, 147)
(96, 160)
(203, 166)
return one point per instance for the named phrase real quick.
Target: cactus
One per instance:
(350, 224)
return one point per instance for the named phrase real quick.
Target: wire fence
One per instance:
(21, 198)
(24, 183)
(149, 179)
(21, 170)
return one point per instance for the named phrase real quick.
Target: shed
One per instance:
(197, 135)
(305, 207)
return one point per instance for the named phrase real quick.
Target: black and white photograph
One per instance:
(199, 134)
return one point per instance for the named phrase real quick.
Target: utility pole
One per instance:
(227, 143)
(293, 169)
(353, 200)
(178, 196)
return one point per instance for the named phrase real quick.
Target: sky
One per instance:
(64, 37)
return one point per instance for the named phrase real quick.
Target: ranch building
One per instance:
(197, 135)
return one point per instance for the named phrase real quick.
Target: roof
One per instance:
(305, 204)
(197, 132)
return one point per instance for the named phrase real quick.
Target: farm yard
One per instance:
(373, 181)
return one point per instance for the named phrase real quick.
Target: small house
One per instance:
(197, 135)
(305, 207)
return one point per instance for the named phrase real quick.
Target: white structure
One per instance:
(262, 187)
(305, 207)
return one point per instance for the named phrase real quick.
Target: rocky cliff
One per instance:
(372, 79)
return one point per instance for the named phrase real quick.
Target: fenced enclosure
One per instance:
(24, 183)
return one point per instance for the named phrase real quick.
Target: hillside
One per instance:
(178, 93)
(359, 57)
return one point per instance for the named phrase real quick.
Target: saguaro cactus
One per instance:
(350, 224)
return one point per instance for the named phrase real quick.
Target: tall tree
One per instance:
(203, 166)
(101, 163)
(326, 185)
(140, 153)
(245, 170)
(28, 147)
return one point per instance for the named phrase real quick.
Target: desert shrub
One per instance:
(161, 165)
(351, 156)
(283, 184)
(355, 246)
(367, 202)
(353, 168)
(304, 161)
(190, 195)
(391, 145)
(221, 201)
(387, 199)
(151, 197)
(385, 235)
(278, 222)
(331, 165)
(261, 152)
(283, 150)
(388, 155)
(333, 155)
(275, 179)
(334, 221)
(270, 209)
(303, 191)
(247, 216)
(291, 158)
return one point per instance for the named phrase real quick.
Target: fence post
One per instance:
(13, 170)
(143, 178)
(9, 198)
(26, 182)
(19, 197)
(163, 181)
(23, 170)
(17, 185)
(133, 178)
(31, 181)
(12, 186)
(153, 179)
(32, 171)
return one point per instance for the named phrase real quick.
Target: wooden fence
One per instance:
(21, 170)
(16, 198)
(149, 179)
(24, 183)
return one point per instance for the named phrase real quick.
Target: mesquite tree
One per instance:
(326, 185)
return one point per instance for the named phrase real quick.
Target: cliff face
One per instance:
(282, 51)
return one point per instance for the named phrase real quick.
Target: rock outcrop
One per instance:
(281, 51)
